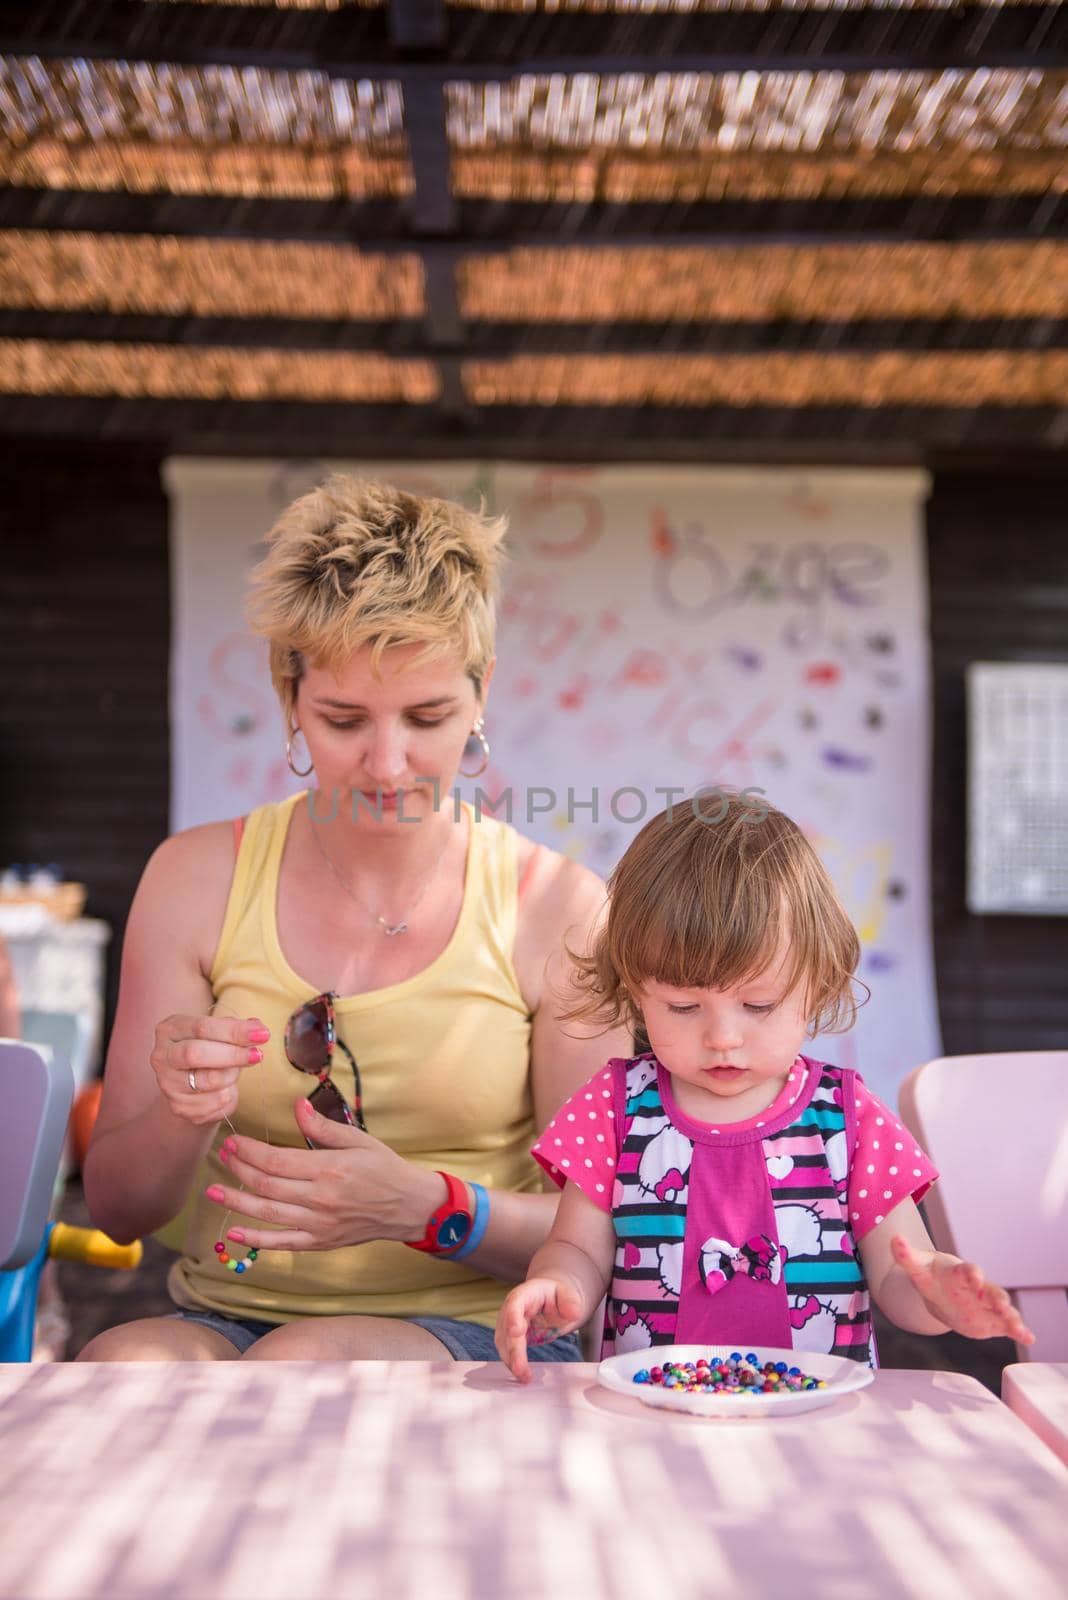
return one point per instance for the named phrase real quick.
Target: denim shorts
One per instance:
(465, 1341)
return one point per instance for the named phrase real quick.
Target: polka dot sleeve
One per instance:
(888, 1166)
(581, 1142)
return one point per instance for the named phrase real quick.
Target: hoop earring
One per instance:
(289, 758)
(478, 732)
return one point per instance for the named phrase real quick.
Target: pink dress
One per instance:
(740, 1233)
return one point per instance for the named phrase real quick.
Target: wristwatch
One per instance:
(450, 1224)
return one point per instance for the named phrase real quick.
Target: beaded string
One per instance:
(231, 1263)
(225, 1258)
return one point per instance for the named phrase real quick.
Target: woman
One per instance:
(443, 936)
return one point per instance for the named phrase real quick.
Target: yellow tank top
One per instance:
(444, 1061)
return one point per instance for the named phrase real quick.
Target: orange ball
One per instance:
(83, 1116)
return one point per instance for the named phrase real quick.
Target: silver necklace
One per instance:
(390, 929)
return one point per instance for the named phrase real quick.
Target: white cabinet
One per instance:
(59, 969)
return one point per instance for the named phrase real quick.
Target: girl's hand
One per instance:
(958, 1294)
(534, 1313)
(350, 1189)
(214, 1050)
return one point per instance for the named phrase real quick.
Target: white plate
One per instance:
(841, 1377)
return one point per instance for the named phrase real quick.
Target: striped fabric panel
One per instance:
(642, 1226)
(657, 1225)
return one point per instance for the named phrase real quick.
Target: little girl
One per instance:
(722, 1188)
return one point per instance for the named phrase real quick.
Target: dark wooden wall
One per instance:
(84, 718)
(84, 660)
(998, 553)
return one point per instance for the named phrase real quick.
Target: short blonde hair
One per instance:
(701, 899)
(356, 563)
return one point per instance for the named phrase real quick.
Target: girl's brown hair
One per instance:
(701, 900)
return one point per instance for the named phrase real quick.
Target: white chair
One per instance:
(64, 1036)
(996, 1126)
(36, 1090)
(35, 1100)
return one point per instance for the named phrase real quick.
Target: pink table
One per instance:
(1038, 1393)
(412, 1481)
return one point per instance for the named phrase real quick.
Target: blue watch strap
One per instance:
(478, 1224)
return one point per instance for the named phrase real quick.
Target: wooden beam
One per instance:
(437, 337)
(562, 433)
(444, 322)
(432, 209)
(417, 24)
(485, 226)
(353, 42)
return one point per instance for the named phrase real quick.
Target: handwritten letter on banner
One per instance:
(660, 628)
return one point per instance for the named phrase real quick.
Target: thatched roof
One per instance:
(521, 225)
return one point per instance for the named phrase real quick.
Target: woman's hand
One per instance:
(210, 1052)
(350, 1189)
(535, 1312)
(958, 1294)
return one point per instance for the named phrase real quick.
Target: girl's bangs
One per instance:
(674, 946)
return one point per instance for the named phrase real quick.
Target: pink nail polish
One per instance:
(255, 1055)
(214, 1192)
(260, 1035)
(236, 1235)
(224, 1154)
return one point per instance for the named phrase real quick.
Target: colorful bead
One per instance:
(728, 1375)
(231, 1263)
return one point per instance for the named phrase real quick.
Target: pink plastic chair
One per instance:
(996, 1126)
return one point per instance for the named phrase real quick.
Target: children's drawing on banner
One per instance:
(235, 710)
(559, 517)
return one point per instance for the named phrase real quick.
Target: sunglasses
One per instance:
(310, 1037)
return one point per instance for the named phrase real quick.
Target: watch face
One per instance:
(453, 1230)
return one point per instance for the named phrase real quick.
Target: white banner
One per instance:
(661, 628)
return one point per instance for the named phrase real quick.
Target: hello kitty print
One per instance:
(740, 1233)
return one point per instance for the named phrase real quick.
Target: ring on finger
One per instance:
(193, 1082)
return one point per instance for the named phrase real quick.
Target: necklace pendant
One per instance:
(391, 930)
